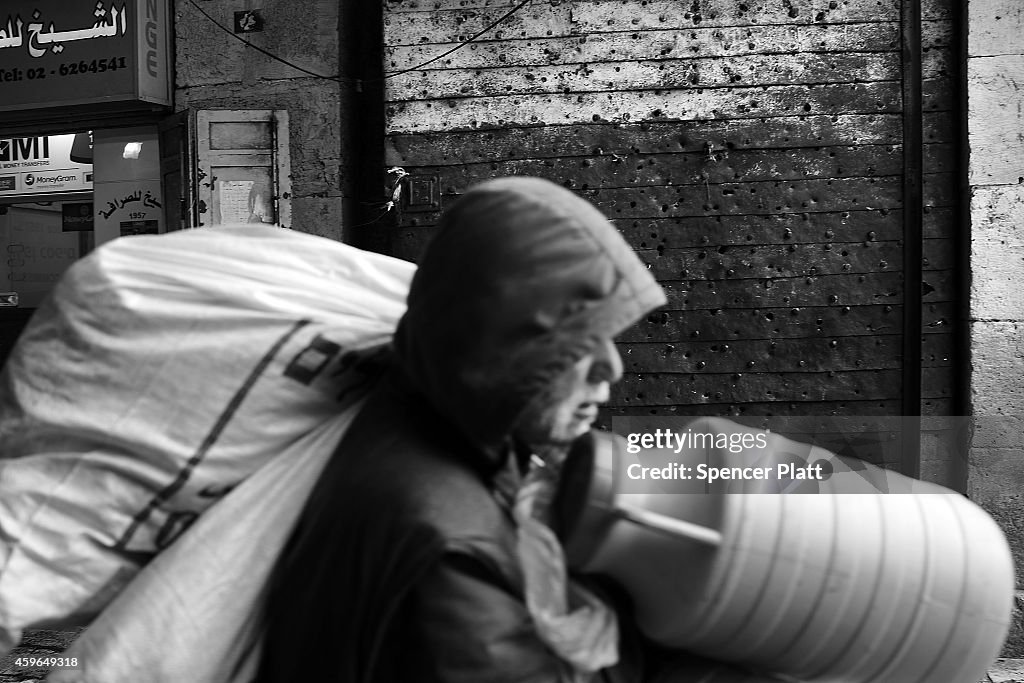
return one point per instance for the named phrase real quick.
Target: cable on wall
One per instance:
(355, 81)
(222, 27)
(492, 25)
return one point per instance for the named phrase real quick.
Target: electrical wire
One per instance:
(383, 213)
(222, 27)
(357, 81)
(464, 43)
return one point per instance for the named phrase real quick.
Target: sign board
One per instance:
(147, 227)
(71, 52)
(128, 207)
(76, 216)
(43, 165)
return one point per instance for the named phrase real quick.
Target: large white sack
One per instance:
(162, 371)
(193, 613)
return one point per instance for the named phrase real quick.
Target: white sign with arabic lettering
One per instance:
(122, 207)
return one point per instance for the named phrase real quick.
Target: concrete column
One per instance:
(995, 113)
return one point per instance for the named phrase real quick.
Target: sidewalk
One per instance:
(1006, 671)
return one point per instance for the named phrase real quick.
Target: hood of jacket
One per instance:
(521, 280)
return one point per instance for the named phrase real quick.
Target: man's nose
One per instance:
(609, 353)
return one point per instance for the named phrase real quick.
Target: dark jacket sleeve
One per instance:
(460, 624)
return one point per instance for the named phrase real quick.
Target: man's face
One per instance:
(569, 407)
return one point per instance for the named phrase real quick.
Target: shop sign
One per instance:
(43, 165)
(72, 52)
(76, 216)
(129, 207)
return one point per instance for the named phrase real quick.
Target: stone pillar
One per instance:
(995, 127)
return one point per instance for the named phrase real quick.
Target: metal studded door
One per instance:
(786, 167)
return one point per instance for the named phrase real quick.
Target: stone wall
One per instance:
(214, 70)
(995, 114)
(995, 127)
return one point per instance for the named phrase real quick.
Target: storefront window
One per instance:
(37, 249)
(46, 212)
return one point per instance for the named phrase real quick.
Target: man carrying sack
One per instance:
(422, 553)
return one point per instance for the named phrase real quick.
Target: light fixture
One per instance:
(132, 150)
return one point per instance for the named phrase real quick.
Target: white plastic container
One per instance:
(855, 588)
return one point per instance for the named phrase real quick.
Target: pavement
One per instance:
(1005, 671)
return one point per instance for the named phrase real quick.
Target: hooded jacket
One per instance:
(402, 567)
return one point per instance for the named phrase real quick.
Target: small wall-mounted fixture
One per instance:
(249, 21)
(423, 194)
(132, 150)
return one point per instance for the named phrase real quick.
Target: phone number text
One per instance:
(94, 66)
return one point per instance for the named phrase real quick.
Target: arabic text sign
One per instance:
(125, 207)
(41, 165)
(64, 52)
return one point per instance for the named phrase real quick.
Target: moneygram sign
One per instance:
(56, 181)
(75, 52)
(43, 165)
